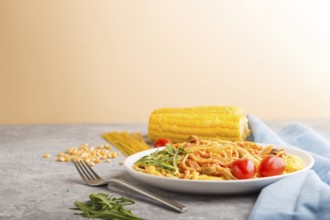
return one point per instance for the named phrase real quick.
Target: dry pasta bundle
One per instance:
(216, 159)
(127, 143)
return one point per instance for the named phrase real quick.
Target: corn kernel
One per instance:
(74, 148)
(108, 147)
(83, 146)
(100, 147)
(67, 158)
(61, 159)
(115, 154)
(46, 156)
(92, 155)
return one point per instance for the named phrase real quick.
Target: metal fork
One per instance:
(90, 177)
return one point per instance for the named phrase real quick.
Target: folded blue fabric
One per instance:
(302, 196)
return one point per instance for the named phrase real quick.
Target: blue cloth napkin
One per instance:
(302, 196)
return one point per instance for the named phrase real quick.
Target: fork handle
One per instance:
(170, 203)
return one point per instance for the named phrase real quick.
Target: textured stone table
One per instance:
(32, 187)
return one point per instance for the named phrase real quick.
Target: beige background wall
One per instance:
(115, 61)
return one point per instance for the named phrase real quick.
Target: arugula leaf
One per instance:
(104, 206)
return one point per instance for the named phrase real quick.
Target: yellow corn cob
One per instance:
(177, 124)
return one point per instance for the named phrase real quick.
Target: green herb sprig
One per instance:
(166, 158)
(104, 206)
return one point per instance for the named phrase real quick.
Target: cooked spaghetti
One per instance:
(210, 159)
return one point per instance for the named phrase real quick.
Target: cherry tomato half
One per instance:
(243, 168)
(271, 166)
(161, 142)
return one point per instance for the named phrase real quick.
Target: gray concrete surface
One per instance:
(32, 187)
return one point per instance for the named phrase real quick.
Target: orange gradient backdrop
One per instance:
(115, 61)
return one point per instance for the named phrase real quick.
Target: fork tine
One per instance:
(91, 171)
(86, 172)
(80, 171)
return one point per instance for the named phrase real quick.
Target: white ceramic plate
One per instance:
(219, 187)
